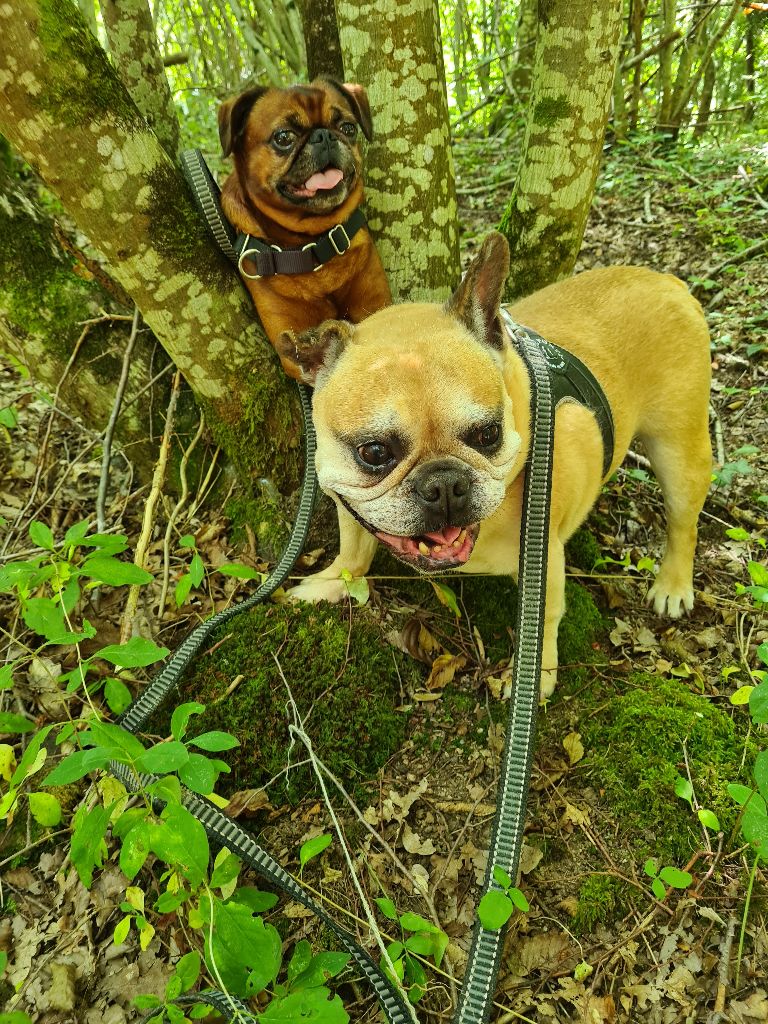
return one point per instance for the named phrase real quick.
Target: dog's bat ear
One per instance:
(233, 114)
(305, 354)
(357, 98)
(476, 301)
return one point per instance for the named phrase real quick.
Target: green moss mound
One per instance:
(602, 899)
(636, 754)
(344, 679)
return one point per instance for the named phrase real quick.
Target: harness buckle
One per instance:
(254, 253)
(312, 245)
(345, 238)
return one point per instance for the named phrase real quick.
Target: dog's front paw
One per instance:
(670, 598)
(315, 589)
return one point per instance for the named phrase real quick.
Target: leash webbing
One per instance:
(507, 837)
(483, 964)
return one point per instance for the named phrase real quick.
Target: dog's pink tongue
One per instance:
(445, 536)
(327, 179)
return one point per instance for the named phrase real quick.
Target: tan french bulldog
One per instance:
(423, 424)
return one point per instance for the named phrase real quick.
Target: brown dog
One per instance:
(423, 424)
(297, 181)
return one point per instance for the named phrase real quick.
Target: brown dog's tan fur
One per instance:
(350, 286)
(428, 369)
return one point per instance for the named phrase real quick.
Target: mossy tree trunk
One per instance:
(136, 54)
(394, 49)
(321, 38)
(573, 76)
(72, 120)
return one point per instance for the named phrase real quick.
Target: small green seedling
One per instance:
(497, 906)
(426, 940)
(684, 790)
(673, 877)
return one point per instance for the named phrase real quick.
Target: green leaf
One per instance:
(313, 847)
(45, 809)
(684, 790)
(739, 793)
(33, 759)
(76, 532)
(11, 723)
(122, 928)
(742, 695)
(182, 589)
(187, 541)
(169, 901)
(181, 716)
(137, 653)
(188, 970)
(114, 737)
(651, 867)
(300, 960)
(357, 587)
(501, 877)
(6, 676)
(676, 878)
(762, 652)
(754, 825)
(519, 900)
(180, 840)
(309, 1006)
(215, 741)
(761, 773)
(147, 1002)
(246, 951)
(77, 765)
(117, 695)
(415, 923)
(319, 969)
(446, 597)
(709, 819)
(199, 774)
(758, 704)
(15, 1017)
(226, 871)
(387, 907)
(197, 570)
(105, 569)
(256, 900)
(494, 910)
(658, 890)
(415, 979)
(46, 618)
(88, 848)
(8, 417)
(167, 788)
(241, 572)
(163, 758)
(41, 535)
(135, 849)
(758, 573)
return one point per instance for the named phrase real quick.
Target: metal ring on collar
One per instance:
(249, 252)
(312, 245)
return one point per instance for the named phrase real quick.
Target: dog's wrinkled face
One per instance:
(416, 432)
(296, 150)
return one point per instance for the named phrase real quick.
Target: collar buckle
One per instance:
(345, 240)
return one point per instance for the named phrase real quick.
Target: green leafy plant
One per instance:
(665, 876)
(425, 939)
(497, 905)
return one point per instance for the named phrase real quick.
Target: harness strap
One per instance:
(572, 381)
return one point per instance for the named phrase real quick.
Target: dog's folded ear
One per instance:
(476, 301)
(232, 115)
(357, 98)
(304, 355)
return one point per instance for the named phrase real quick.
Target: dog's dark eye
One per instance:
(375, 454)
(486, 436)
(283, 139)
(348, 128)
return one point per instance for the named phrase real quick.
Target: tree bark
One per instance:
(71, 119)
(321, 38)
(136, 53)
(525, 48)
(573, 77)
(394, 50)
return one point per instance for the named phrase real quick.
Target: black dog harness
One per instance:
(254, 257)
(570, 381)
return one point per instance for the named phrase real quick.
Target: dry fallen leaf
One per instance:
(573, 747)
(444, 668)
(413, 843)
(247, 803)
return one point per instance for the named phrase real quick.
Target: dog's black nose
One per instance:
(442, 489)
(321, 140)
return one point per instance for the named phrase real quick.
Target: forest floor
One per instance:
(641, 701)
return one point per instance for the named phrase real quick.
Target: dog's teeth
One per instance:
(456, 543)
(462, 537)
(436, 549)
(423, 548)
